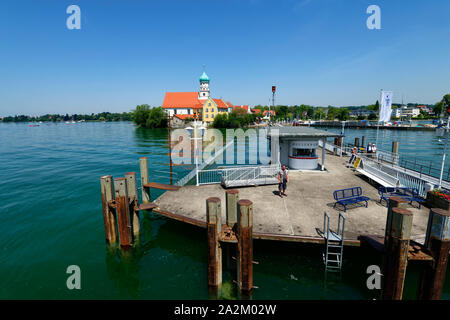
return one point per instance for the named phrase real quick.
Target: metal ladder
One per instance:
(334, 243)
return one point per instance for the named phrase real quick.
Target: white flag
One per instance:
(386, 106)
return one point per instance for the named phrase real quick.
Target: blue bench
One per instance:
(410, 194)
(349, 196)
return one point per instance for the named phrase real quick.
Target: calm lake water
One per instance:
(51, 217)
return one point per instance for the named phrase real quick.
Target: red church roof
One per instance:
(182, 100)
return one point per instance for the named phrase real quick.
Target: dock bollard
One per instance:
(245, 245)
(133, 201)
(438, 242)
(123, 213)
(214, 224)
(109, 217)
(396, 254)
(143, 164)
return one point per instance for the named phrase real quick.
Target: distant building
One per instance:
(198, 104)
(406, 112)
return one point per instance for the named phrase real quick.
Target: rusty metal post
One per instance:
(133, 201)
(396, 254)
(143, 163)
(214, 224)
(232, 198)
(245, 246)
(438, 242)
(109, 217)
(123, 212)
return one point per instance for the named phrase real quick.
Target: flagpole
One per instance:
(378, 121)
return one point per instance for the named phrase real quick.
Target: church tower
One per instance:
(203, 94)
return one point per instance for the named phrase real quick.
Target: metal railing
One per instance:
(183, 181)
(420, 166)
(250, 175)
(336, 149)
(406, 177)
(243, 175)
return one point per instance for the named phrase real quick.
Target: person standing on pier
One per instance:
(374, 148)
(353, 156)
(369, 148)
(283, 179)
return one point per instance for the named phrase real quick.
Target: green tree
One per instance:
(140, 114)
(438, 108)
(221, 121)
(157, 118)
(343, 114)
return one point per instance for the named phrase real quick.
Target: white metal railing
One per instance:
(374, 170)
(183, 181)
(406, 177)
(246, 176)
(335, 149)
(242, 175)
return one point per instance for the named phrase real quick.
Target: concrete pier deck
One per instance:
(296, 217)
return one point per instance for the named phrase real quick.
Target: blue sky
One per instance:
(317, 52)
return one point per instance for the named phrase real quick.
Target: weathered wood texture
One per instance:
(396, 253)
(109, 215)
(133, 202)
(143, 164)
(213, 216)
(232, 197)
(123, 213)
(245, 245)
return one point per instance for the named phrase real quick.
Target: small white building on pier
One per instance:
(297, 147)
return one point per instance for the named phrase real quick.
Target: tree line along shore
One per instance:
(156, 117)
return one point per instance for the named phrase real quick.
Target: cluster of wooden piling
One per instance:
(121, 206)
(398, 249)
(238, 230)
(120, 209)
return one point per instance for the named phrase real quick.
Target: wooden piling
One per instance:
(214, 224)
(396, 254)
(393, 202)
(245, 245)
(438, 242)
(143, 163)
(232, 198)
(395, 145)
(357, 142)
(133, 201)
(123, 213)
(109, 215)
(363, 141)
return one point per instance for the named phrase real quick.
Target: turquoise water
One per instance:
(51, 217)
